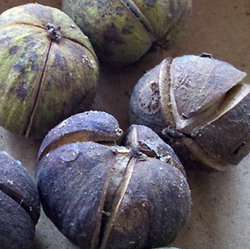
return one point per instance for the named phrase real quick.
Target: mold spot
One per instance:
(119, 11)
(5, 40)
(100, 4)
(35, 67)
(112, 35)
(175, 8)
(13, 50)
(30, 46)
(20, 91)
(150, 3)
(59, 62)
(28, 39)
(33, 56)
(37, 11)
(19, 66)
(22, 55)
(126, 31)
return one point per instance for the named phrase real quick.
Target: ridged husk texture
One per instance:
(48, 69)
(105, 196)
(199, 105)
(122, 31)
(19, 205)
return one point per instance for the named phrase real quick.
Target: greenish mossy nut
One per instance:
(200, 106)
(19, 205)
(48, 69)
(102, 195)
(122, 31)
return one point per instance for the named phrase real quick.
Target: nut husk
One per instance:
(19, 205)
(48, 69)
(199, 105)
(101, 195)
(122, 31)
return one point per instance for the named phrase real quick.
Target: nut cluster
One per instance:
(103, 189)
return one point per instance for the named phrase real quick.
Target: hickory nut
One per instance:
(122, 31)
(199, 105)
(101, 195)
(48, 69)
(19, 205)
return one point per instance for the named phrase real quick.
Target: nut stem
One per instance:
(54, 32)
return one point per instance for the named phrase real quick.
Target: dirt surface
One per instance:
(221, 201)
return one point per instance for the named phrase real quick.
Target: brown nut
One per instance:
(19, 205)
(101, 195)
(48, 69)
(199, 105)
(122, 31)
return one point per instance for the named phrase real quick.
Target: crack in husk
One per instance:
(118, 198)
(190, 125)
(82, 44)
(23, 23)
(38, 93)
(21, 202)
(79, 136)
(134, 9)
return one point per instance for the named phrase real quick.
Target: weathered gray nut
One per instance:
(200, 106)
(19, 205)
(101, 195)
(122, 31)
(48, 69)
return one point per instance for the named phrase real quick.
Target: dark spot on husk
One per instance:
(31, 46)
(172, 8)
(35, 67)
(119, 11)
(60, 62)
(19, 66)
(13, 50)
(19, 91)
(22, 55)
(49, 84)
(93, 3)
(112, 35)
(39, 12)
(126, 30)
(99, 4)
(33, 55)
(28, 39)
(5, 40)
(150, 3)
